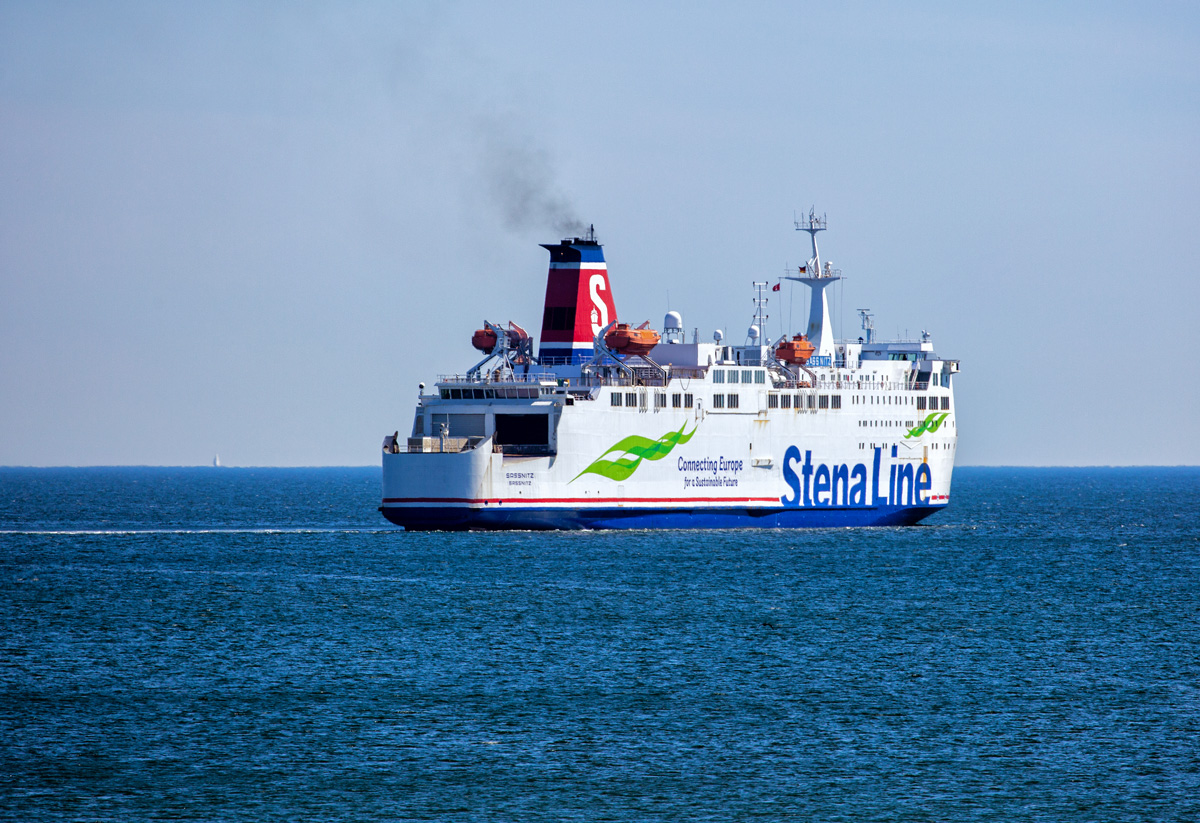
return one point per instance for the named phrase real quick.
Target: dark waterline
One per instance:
(245, 644)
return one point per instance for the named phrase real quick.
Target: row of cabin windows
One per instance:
(903, 400)
(730, 401)
(746, 376)
(630, 400)
(804, 401)
(908, 424)
(883, 400)
(507, 393)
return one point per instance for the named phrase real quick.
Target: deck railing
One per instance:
(524, 449)
(541, 378)
(576, 385)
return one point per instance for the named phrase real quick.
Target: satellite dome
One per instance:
(673, 321)
(718, 336)
(752, 332)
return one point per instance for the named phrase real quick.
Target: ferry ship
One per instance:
(612, 426)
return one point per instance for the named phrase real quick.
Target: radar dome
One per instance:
(673, 321)
(718, 336)
(752, 332)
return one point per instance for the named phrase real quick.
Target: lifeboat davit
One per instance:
(625, 340)
(797, 350)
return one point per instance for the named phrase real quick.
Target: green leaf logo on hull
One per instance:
(930, 424)
(635, 449)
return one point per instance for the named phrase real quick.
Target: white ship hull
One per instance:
(877, 460)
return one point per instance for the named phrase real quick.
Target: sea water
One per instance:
(237, 644)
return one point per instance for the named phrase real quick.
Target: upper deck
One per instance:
(911, 365)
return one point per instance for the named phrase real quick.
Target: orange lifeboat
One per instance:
(797, 350)
(625, 340)
(484, 340)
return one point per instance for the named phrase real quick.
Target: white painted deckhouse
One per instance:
(610, 426)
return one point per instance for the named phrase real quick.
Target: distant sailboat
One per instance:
(216, 461)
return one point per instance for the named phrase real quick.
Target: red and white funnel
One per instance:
(579, 302)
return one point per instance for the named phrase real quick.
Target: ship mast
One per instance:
(760, 314)
(868, 324)
(817, 278)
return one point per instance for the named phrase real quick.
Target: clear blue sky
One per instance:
(252, 228)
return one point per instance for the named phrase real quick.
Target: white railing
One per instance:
(541, 378)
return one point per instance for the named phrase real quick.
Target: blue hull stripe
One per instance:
(463, 518)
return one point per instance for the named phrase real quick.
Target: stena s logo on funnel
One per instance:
(596, 285)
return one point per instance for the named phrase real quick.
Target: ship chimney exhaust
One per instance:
(579, 301)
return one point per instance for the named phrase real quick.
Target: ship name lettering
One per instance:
(820, 485)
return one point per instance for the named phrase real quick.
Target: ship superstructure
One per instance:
(612, 426)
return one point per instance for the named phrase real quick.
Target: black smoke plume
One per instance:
(522, 183)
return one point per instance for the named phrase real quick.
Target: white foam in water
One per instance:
(76, 532)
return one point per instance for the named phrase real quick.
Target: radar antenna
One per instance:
(812, 224)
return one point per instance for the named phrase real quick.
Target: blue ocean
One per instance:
(258, 644)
